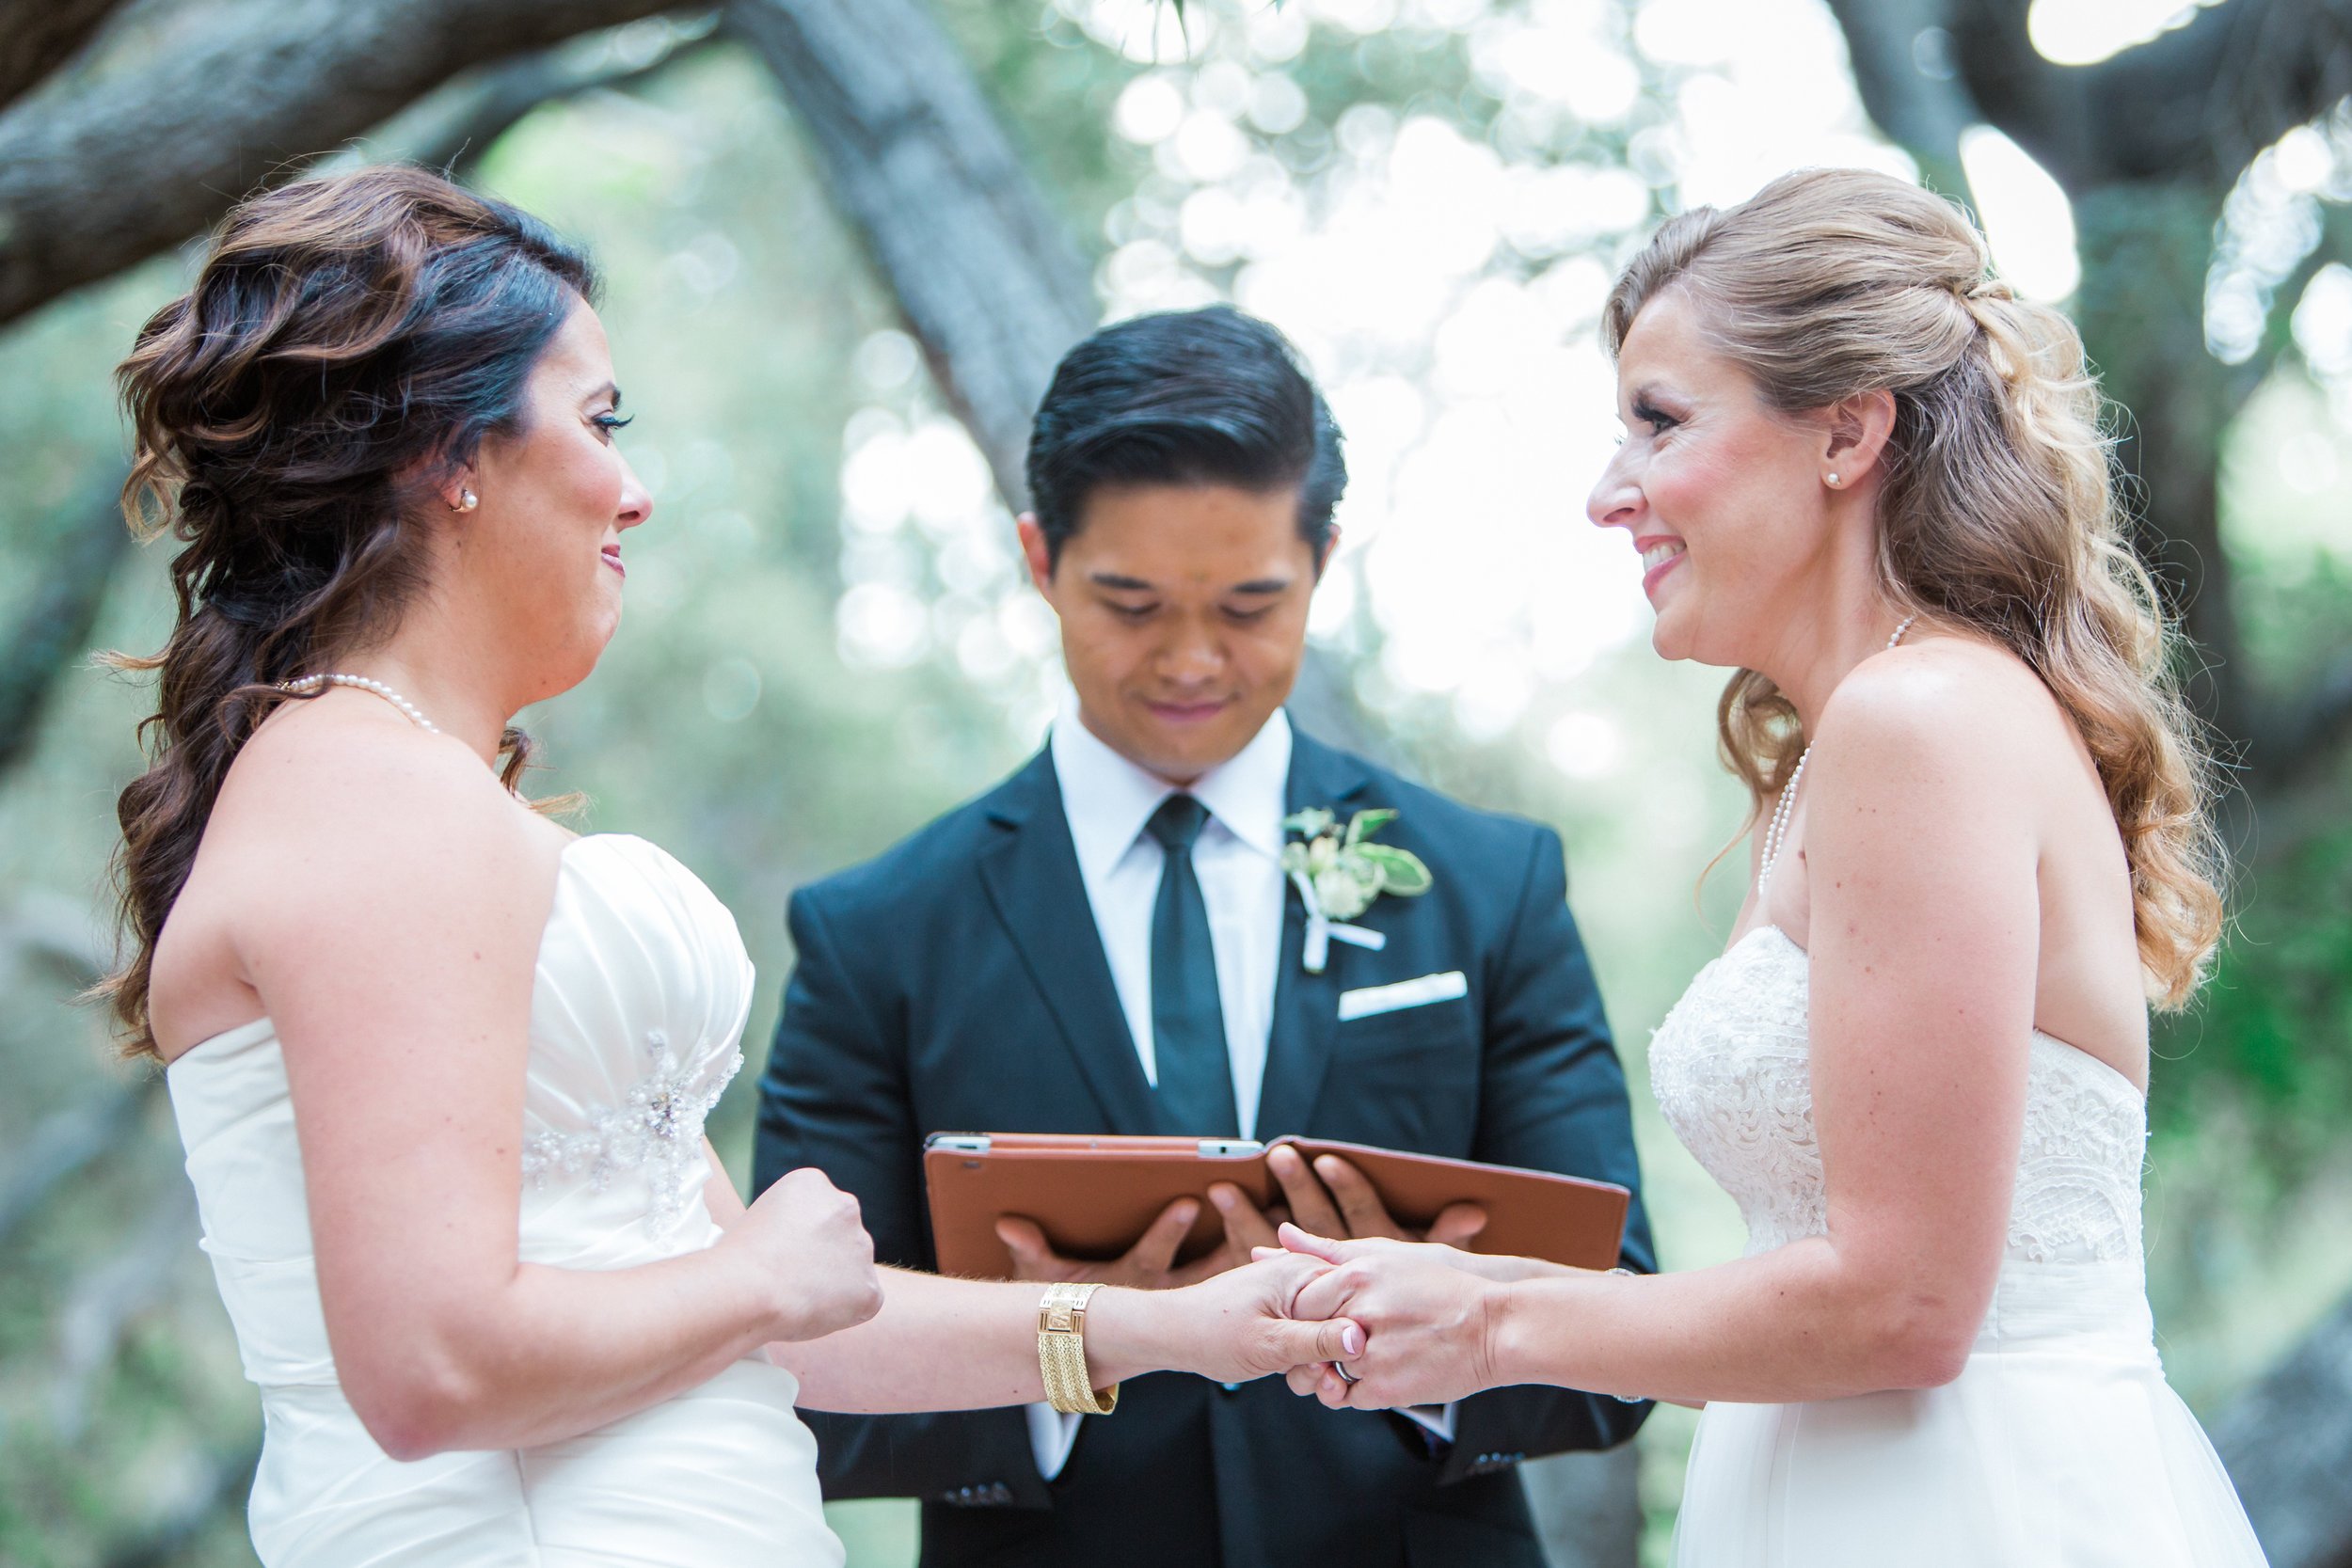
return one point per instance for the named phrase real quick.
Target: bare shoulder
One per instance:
(322, 804)
(1929, 792)
(1947, 712)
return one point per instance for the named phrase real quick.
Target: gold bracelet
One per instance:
(1061, 1351)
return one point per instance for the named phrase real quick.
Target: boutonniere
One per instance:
(1338, 872)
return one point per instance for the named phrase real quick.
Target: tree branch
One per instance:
(454, 127)
(2288, 62)
(39, 36)
(143, 158)
(53, 628)
(1902, 53)
(2191, 106)
(914, 158)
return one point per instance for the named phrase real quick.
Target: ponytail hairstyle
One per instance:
(1997, 515)
(349, 343)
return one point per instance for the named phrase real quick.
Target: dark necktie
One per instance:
(1196, 1077)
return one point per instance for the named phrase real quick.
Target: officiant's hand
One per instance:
(1334, 1199)
(1150, 1264)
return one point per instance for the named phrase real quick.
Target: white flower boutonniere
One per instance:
(1339, 872)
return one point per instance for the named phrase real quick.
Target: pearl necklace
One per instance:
(1778, 829)
(361, 683)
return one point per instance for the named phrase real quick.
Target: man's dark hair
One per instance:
(1184, 397)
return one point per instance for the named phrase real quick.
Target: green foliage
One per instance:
(2273, 1027)
(2270, 1036)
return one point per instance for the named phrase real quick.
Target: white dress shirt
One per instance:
(1108, 799)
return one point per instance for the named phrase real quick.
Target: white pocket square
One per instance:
(1369, 1000)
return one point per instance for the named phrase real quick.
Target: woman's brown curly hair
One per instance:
(348, 343)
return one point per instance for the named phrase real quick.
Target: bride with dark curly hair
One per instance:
(440, 1066)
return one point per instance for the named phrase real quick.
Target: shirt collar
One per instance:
(1109, 798)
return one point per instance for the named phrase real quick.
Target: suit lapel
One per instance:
(1306, 1007)
(1031, 874)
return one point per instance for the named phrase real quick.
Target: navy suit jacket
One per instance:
(958, 983)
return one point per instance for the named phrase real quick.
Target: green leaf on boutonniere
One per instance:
(1339, 872)
(1346, 870)
(1402, 871)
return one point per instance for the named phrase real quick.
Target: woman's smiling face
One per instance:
(556, 496)
(1722, 494)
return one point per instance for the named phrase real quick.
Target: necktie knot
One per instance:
(1178, 823)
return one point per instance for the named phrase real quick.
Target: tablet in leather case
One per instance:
(1093, 1195)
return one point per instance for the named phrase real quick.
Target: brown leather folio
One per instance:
(1094, 1196)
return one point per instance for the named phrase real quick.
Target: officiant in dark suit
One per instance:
(1107, 942)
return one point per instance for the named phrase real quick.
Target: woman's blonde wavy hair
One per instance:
(1999, 512)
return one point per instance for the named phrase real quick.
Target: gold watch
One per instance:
(1061, 1351)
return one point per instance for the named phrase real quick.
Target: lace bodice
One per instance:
(1732, 1071)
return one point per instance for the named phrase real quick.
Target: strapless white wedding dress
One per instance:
(2060, 1446)
(641, 994)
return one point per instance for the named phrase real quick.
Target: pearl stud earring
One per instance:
(1833, 482)
(467, 501)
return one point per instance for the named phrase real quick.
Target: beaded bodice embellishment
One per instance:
(642, 994)
(657, 1130)
(1731, 1068)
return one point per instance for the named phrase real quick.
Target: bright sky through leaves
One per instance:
(2084, 32)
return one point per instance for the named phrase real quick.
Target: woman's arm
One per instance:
(969, 1344)
(1921, 852)
(388, 904)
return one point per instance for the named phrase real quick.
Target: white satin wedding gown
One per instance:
(640, 998)
(2060, 1446)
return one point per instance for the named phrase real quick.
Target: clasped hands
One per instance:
(1427, 1308)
